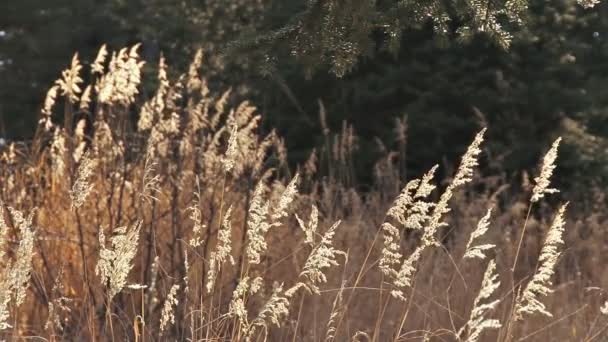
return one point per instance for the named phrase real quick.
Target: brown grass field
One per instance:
(186, 224)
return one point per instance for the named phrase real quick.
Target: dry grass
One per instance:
(191, 226)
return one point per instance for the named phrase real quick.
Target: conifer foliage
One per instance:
(336, 33)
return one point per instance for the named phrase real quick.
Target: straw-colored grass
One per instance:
(185, 223)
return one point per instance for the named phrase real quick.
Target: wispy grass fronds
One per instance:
(5, 298)
(119, 85)
(167, 315)
(411, 210)
(194, 80)
(406, 271)
(3, 231)
(106, 147)
(238, 305)
(15, 276)
(529, 302)
(477, 251)
(322, 257)
(5, 289)
(288, 196)
(258, 224)
(310, 166)
(57, 305)
(58, 149)
(544, 179)
(70, 81)
(463, 175)
(154, 108)
(85, 99)
(258, 220)
(116, 261)
(47, 108)
(336, 311)
(197, 217)
(310, 229)
(231, 152)
(81, 144)
(222, 251)
(21, 270)
(273, 311)
(391, 251)
(432, 222)
(97, 66)
(400, 129)
(82, 185)
(478, 320)
(150, 181)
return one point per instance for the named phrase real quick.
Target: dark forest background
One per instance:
(550, 80)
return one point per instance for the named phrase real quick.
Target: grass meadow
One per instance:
(173, 218)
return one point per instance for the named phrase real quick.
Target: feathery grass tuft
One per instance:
(540, 285)
(167, 315)
(222, 251)
(82, 186)
(478, 320)
(116, 261)
(477, 251)
(544, 179)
